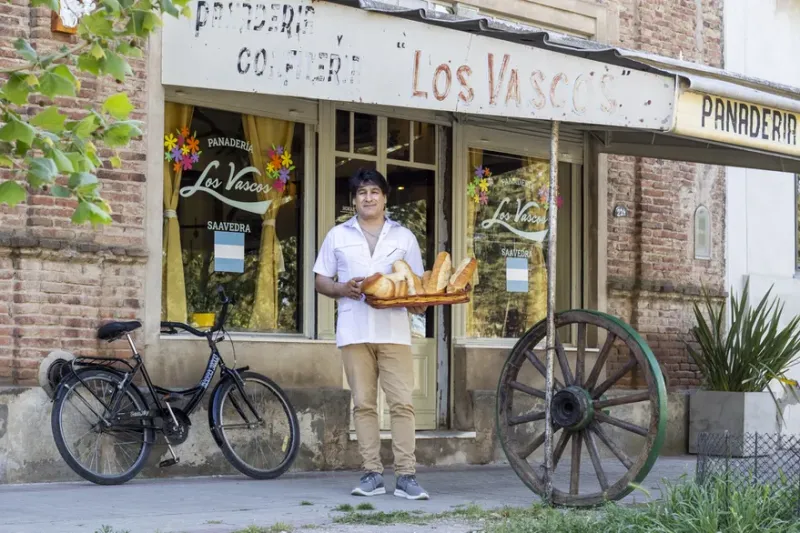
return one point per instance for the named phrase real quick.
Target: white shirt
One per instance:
(345, 253)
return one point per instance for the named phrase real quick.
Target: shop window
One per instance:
(232, 211)
(507, 198)
(702, 233)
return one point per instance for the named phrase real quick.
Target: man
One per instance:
(374, 341)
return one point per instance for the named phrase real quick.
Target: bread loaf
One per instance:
(462, 275)
(379, 286)
(400, 289)
(415, 285)
(440, 274)
(426, 276)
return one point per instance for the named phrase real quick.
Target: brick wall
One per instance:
(59, 281)
(653, 278)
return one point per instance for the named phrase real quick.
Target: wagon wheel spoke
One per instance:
(561, 354)
(633, 428)
(526, 418)
(560, 447)
(618, 375)
(601, 360)
(591, 445)
(516, 385)
(575, 473)
(621, 455)
(580, 357)
(534, 445)
(537, 363)
(622, 400)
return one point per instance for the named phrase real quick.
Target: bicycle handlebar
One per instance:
(173, 327)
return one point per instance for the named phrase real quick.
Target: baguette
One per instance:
(440, 274)
(415, 284)
(463, 275)
(379, 286)
(426, 276)
(400, 289)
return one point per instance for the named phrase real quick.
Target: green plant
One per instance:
(365, 507)
(755, 350)
(46, 149)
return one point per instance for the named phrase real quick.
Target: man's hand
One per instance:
(351, 289)
(417, 310)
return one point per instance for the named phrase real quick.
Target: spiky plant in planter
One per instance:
(739, 364)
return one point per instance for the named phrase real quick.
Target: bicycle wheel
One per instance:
(261, 450)
(100, 454)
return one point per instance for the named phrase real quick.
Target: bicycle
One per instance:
(127, 414)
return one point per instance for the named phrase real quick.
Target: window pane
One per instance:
(424, 143)
(411, 203)
(506, 230)
(397, 140)
(342, 131)
(365, 133)
(239, 229)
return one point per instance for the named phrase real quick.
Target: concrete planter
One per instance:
(738, 413)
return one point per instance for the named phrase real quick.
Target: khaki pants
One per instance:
(363, 363)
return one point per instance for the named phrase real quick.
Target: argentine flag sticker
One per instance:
(228, 251)
(516, 274)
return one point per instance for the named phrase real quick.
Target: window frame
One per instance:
(702, 210)
(265, 106)
(468, 136)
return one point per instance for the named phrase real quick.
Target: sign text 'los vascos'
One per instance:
(326, 51)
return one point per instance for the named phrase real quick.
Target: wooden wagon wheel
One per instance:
(581, 411)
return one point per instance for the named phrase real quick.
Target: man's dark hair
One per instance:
(364, 176)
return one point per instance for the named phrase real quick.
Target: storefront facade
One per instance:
(256, 116)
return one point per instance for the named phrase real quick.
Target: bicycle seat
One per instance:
(112, 330)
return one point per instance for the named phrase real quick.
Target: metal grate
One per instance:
(765, 460)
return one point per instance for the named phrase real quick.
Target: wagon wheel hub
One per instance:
(572, 408)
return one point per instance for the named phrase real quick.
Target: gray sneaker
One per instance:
(371, 485)
(407, 487)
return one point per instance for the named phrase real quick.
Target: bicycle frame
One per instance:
(161, 394)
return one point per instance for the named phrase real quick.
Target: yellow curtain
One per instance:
(262, 133)
(173, 286)
(475, 160)
(537, 173)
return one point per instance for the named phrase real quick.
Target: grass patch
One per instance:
(344, 508)
(306, 502)
(717, 507)
(274, 528)
(365, 507)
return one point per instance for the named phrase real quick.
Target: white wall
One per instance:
(762, 38)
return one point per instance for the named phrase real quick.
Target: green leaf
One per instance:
(116, 66)
(88, 63)
(168, 7)
(129, 50)
(26, 50)
(85, 127)
(80, 180)
(63, 163)
(97, 51)
(6, 161)
(120, 134)
(91, 212)
(118, 106)
(12, 193)
(60, 192)
(58, 81)
(17, 130)
(16, 89)
(80, 163)
(142, 22)
(116, 162)
(112, 6)
(41, 171)
(50, 119)
(51, 4)
(96, 25)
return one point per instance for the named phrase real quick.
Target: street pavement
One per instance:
(228, 504)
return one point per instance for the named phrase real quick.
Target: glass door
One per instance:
(405, 152)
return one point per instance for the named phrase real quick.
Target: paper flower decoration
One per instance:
(279, 167)
(183, 151)
(478, 187)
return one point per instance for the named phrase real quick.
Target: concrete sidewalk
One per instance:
(227, 504)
